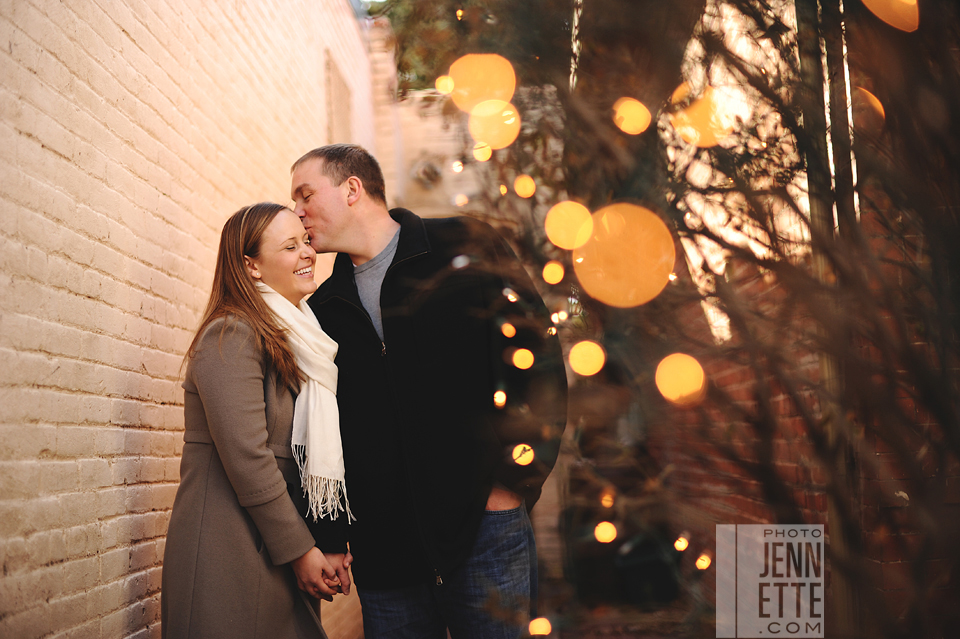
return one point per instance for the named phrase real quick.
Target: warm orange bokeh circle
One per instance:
(524, 186)
(478, 77)
(681, 379)
(495, 123)
(553, 272)
(631, 116)
(629, 257)
(587, 358)
(568, 224)
(900, 14)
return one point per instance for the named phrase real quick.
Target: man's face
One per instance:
(321, 206)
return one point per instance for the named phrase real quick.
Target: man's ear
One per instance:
(354, 189)
(252, 267)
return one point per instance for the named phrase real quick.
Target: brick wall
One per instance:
(129, 132)
(898, 546)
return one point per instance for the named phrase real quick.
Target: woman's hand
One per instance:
(315, 575)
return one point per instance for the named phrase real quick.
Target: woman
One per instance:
(259, 398)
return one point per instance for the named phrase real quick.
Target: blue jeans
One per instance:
(491, 596)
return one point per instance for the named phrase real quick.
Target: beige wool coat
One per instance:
(234, 526)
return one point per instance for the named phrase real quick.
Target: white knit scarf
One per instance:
(316, 418)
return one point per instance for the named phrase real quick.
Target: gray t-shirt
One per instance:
(369, 278)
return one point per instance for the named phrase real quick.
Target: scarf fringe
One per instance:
(323, 494)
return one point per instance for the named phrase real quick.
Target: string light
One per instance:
(522, 358)
(444, 84)
(523, 454)
(540, 626)
(605, 532)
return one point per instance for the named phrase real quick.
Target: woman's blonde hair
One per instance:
(235, 297)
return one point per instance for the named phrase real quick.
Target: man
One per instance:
(427, 315)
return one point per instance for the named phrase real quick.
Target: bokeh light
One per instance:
(444, 84)
(510, 294)
(631, 116)
(523, 454)
(682, 543)
(703, 561)
(495, 122)
(553, 272)
(459, 14)
(899, 14)
(500, 399)
(503, 189)
(605, 532)
(540, 626)
(872, 101)
(524, 186)
(703, 123)
(568, 224)
(482, 152)
(479, 77)
(508, 329)
(628, 258)
(457, 166)
(680, 379)
(522, 358)
(680, 93)
(868, 112)
(461, 199)
(587, 358)
(607, 499)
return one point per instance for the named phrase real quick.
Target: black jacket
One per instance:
(423, 440)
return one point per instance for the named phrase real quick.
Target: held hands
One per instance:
(318, 578)
(341, 563)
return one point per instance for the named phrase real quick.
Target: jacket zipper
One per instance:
(423, 540)
(383, 353)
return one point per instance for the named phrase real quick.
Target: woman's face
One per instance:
(286, 258)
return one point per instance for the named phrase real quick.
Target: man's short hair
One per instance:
(341, 161)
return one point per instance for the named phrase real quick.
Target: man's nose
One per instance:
(298, 209)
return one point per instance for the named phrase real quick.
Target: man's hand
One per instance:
(341, 563)
(315, 575)
(502, 499)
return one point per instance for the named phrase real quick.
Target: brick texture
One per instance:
(129, 131)
(714, 457)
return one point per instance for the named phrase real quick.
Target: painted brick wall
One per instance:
(129, 131)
